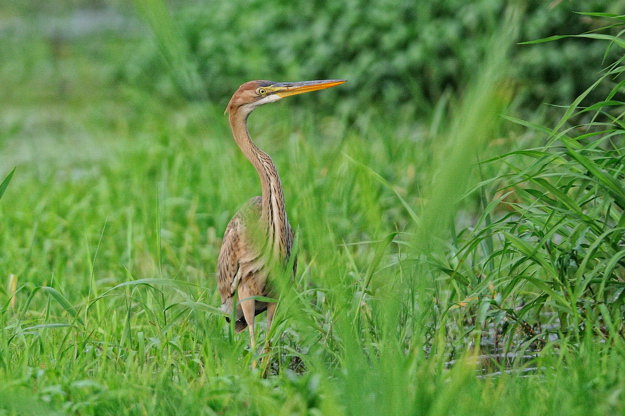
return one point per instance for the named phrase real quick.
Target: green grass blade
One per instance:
(5, 182)
(62, 300)
(611, 184)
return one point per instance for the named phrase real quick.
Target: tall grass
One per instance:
(111, 237)
(552, 232)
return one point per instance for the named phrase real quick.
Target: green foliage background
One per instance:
(401, 52)
(460, 243)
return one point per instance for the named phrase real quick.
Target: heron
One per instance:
(259, 238)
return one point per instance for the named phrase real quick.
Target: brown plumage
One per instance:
(259, 237)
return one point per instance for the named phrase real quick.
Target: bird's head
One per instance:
(254, 93)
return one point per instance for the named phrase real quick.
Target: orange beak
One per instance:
(286, 89)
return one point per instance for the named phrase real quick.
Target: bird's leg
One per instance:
(248, 307)
(271, 309)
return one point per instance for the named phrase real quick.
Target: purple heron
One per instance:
(259, 236)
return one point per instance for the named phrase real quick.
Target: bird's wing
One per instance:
(235, 249)
(228, 260)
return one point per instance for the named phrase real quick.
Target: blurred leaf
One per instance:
(180, 63)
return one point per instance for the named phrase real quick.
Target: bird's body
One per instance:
(258, 240)
(245, 262)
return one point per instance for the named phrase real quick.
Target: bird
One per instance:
(258, 239)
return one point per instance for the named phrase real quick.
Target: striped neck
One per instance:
(273, 212)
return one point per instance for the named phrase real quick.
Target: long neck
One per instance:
(273, 213)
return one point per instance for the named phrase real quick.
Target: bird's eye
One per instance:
(261, 91)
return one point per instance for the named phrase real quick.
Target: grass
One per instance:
(111, 226)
